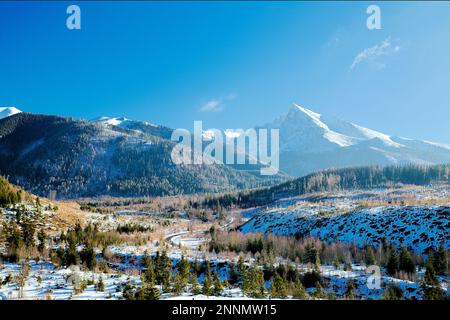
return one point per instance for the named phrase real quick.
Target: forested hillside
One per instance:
(340, 179)
(77, 158)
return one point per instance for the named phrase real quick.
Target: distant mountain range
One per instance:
(106, 156)
(124, 157)
(310, 142)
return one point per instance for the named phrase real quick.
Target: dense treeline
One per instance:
(266, 249)
(400, 262)
(338, 179)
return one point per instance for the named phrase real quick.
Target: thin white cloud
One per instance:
(217, 104)
(372, 54)
(212, 105)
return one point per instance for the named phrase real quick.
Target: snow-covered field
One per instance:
(330, 217)
(416, 227)
(59, 283)
(361, 216)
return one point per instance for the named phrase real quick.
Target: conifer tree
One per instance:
(163, 270)
(299, 291)
(178, 286)
(146, 292)
(253, 283)
(392, 264)
(217, 284)
(241, 266)
(207, 289)
(146, 260)
(430, 284)
(278, 287)
(318, 291)
(393, 292)
(440, 261)
(311, 256)
(336, 262)
(350, 293)
(370, 257)
(183, 268)
(88, 257)
(225, 283)
(194, 282)
(405, 262)
(100, 285)
(42, 238)
(430, 274)
(71, 255)
(149, 271)
(234, 276)
(196, 268)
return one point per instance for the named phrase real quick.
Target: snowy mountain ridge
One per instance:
(8, 111)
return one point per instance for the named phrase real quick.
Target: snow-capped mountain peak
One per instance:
(311, 141)
(8, 111)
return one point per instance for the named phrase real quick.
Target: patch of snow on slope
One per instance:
(330, 135)
(371, 134)
(440, 145)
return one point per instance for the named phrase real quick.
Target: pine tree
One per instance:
(405, 262)
(430, 274)
(350, 293)
(392, 264)
(207, 268)
(146, 292)
(163, 270)
(146, 260)
(311, 256)
(194, 282)
(278, 287)
(183, 268)
(318, 291)
(152, 293)
(430, 284)
(370, 257)
(149, 272)
(440, 261)
(128, 292)
(225, 283)
(241, 267)
(234, 276)
(28, 227)
(42, 238)
(207, 285)
(253, 283)
(218, 288)
(196, 268)
(393, 292)
(336, 262)
(100, 285)
(299, 291)
(178, 286)
(88, 257)
(71, 255)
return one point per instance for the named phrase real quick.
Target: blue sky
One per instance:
(232, 65)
